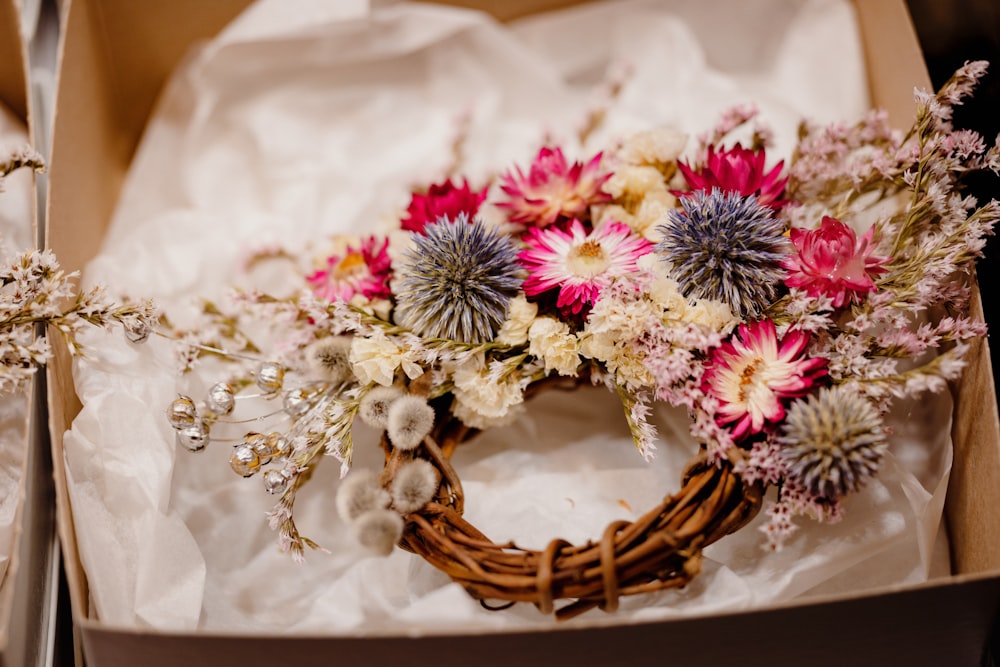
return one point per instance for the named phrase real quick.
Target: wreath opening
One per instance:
(660, 549)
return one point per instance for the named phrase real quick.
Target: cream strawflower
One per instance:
(665, 293)
(520, 314)
(376, 359)
(625, 361)
(644, 222)
(481, 400)
(623, 320)
(660, 146)
(551, 341)
(632, 183)
(599, 346)
(714, 315)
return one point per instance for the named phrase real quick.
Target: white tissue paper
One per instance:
(307, 118)
(16, 236)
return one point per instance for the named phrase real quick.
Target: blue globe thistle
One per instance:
(727, 248)
(832, 442)
(457, 280)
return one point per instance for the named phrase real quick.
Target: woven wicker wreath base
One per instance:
(662, 549)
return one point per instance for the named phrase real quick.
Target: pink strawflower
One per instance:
(442, 200)
(363, 270)
(832, 261)
(737, 169)
(553, 189)
(578, 264)
(753, 375)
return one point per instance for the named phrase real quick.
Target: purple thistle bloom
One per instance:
(832, 442)
(727, 248)
(457, 280)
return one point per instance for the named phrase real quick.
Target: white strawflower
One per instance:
(410, 420)
(630, 184)
(628, 320)
(551, 341)
(643, 218)
(625, 361)
(659, 146)
(376, 358)
(413, 486)
(714, 315)
(520, 314)
(379, 530)
(599, 346)
(472, 416)
(674, 307)
(359, 493)
(482, 401)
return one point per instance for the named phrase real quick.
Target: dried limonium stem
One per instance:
(35, 291)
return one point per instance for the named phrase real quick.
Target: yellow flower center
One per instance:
(587, 259)
(747, 377)
(352, 264)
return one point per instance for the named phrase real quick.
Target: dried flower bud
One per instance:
(270, 377)
(410, 420)
(182, 413)
(413, 486)
(374, 407)
(832, 442)
(328, 359)
(358, 493)
(379, 530)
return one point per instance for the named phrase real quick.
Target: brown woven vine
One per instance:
(661, 549)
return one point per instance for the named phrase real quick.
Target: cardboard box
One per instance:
(116, 55)
(28, 588)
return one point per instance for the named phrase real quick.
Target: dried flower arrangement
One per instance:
(35, 291)
(785, 309)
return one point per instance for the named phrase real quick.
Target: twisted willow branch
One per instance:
(662, 549)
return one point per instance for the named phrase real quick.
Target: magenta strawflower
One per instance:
(553, 189)
(832, 261)
(442, 200)
(737, 169)
(363, 270)
(577, 263)
(753, 375)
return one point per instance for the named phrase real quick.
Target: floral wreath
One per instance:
(785, 309)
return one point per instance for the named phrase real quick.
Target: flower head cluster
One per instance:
(740, 170)
(754, 374)
(553, 189)
(750, 298)
(357, 271)
(576, 264)
(832, 261)
(456, 281)
(726, 247)
(441, 200)
(832, 442)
